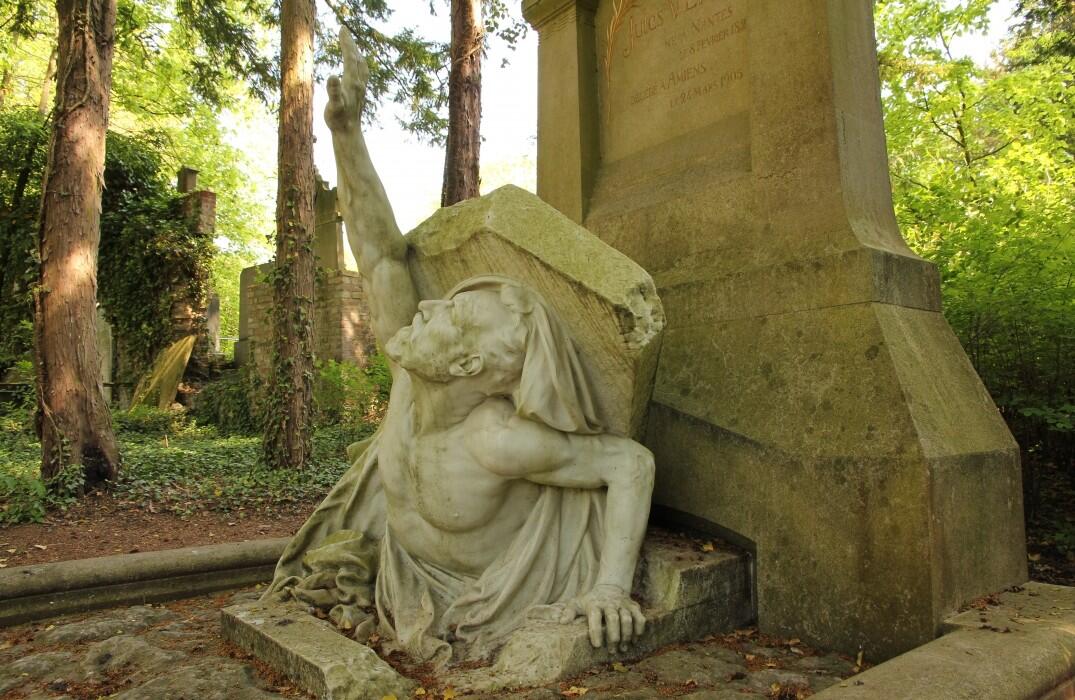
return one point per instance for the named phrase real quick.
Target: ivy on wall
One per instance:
(151, 255)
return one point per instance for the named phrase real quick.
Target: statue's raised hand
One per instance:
(347, 93)
(612, 616)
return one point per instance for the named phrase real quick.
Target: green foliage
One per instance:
(172, 464)
(201, 470)
(1047, 31)
(150, 251)
(23, 138)
(150, 254)
(24, 497)
(231, 403)
(347, 395)
(344, 395)
(148, 420)
(982, 170)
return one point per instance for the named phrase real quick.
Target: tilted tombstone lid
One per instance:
(608, 303)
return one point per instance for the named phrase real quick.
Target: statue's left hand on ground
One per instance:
(614, 619)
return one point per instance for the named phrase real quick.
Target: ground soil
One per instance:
(1050, 526)
(98, 526)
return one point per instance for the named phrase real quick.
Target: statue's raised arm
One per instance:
(375, 239)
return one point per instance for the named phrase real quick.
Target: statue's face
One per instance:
(451, 338)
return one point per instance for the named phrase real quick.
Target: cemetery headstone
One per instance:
(810, 398)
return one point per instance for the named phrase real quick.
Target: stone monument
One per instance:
(502, 483)
(341, 324)
(810, 398)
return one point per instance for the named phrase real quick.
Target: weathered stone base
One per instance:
(311, 652)
(687, 593)
(1021, 649)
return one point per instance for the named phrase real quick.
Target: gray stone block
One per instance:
(312, 652)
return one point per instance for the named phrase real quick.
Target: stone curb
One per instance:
(45, 590)
(1020, 649)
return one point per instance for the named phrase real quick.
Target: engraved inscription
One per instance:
(670, 67)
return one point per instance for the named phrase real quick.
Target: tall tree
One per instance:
(75, 425)
(463, 149)
(289, 415)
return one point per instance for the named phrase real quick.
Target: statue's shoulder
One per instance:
(492, 414)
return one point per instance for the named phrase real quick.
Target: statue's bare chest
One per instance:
(436, 477)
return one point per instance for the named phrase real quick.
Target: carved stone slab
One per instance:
(608, 302)
(311, 652)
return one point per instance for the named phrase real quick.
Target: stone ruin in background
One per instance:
(341, 316)
(187, 316)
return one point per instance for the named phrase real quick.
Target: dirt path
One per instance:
(98, 526)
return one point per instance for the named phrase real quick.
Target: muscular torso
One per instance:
(443, 506)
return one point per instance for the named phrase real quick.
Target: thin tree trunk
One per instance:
(287, 431)
(5, 84)
(46, 85)
(76, 427)
(461, 158)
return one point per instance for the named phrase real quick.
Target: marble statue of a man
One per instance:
(490, 491)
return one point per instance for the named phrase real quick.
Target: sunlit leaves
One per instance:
(982, 170)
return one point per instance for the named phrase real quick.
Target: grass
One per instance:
(170, 463)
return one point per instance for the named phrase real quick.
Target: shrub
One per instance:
(230, 403)
(347, 395)
(149, 420)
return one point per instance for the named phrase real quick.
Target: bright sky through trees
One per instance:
(412, 171)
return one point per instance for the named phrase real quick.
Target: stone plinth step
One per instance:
(1017, 645)
(311, 652)
(686, 593)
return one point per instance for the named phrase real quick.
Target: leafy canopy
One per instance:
(982, 170)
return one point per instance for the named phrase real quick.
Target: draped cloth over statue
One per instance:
(345, 559)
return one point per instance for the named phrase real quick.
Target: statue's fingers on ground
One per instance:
(627, 626)
(639, 618)
(594, 619)
(612, 627)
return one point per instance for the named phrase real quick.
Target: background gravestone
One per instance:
(810, 397)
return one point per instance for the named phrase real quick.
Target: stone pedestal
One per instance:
(810, 397)
(687, 593)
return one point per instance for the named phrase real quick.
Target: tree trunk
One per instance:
(289, 417)
(46, 84)
(5, 84)
(461, 157)
(75, 425)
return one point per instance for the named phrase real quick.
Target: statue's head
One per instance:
(473, 334)
(501, 338)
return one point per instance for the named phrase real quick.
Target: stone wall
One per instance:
(341, 330)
